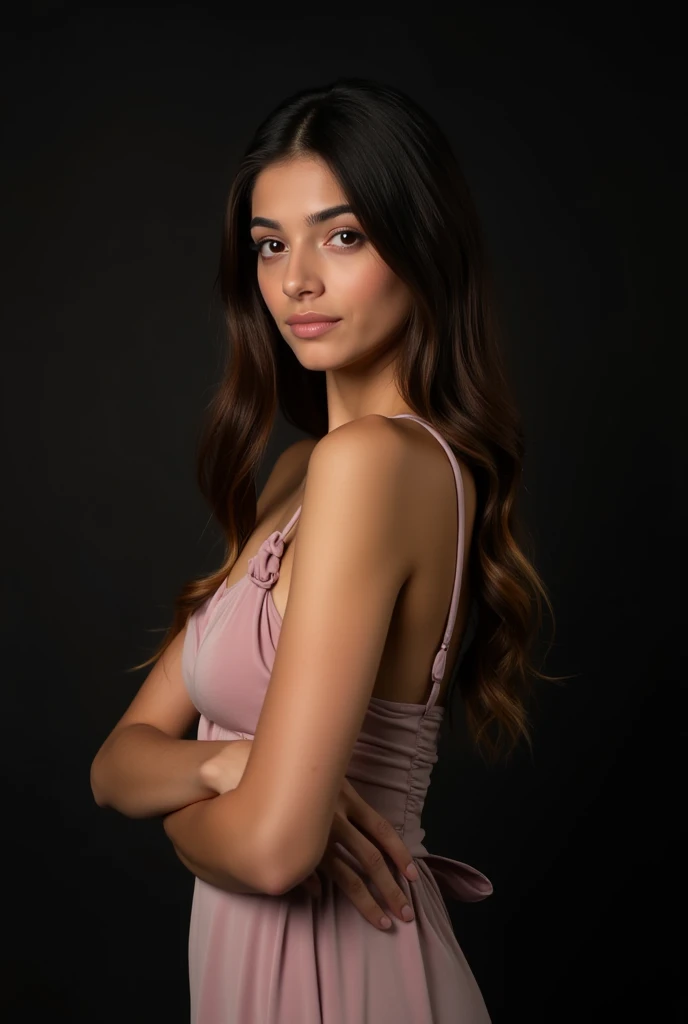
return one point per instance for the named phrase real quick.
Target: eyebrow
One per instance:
(311, 219)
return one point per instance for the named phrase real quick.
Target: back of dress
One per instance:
(290, 958)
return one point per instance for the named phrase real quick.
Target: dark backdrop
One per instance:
(121, 129)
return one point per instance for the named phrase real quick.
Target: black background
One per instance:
(121, 130)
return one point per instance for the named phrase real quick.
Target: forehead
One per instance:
(295, 187)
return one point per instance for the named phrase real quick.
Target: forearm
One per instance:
(143, 773)
(198, 833)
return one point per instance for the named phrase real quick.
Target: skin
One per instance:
(315, 269)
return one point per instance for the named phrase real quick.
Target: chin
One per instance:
(319, 360)
(317, 354)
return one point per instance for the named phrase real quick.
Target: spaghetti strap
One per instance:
(440, 661)
(283, 533)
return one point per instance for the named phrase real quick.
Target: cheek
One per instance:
(378, 293)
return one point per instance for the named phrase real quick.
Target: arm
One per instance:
(142, 772)
(351, 560)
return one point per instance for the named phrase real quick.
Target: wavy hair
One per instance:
(404, 183)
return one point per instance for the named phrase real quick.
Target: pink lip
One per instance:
(313, 330)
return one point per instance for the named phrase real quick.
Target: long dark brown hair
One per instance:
(398, 172)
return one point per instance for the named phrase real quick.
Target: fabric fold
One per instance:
(458, 880)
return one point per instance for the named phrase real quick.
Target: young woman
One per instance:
(380, 554)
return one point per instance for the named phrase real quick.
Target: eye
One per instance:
(349, 233)
(358, 236)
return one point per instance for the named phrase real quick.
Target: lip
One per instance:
(313, 329)
(311, 318)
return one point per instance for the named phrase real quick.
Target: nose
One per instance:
(301, 274)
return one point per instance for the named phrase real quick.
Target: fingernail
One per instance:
(412, 872)
(407, 913)
(385, 922)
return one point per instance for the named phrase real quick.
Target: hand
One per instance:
(352, 807)
(223, 772)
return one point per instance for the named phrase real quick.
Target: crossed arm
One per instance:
(350, 562)
(271, 832)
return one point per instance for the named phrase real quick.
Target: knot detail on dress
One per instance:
(264, 568)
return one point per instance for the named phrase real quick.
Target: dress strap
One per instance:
(291, 522)
(439, 663)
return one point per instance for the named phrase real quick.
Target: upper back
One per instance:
(438, 597)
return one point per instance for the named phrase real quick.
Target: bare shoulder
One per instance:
(407, 460)
(356, 492)
(359, 471)
(377, 437)
(400, 464)
(358, 433)
(368, 442)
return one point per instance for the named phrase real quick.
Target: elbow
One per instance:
(272, 851)
(99, 792)
(269, 871)
(281, 888)
(288, 864)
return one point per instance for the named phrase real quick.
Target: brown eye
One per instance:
(349, 234)
(257, 246)
(357, 236)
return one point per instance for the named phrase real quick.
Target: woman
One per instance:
(356, 296)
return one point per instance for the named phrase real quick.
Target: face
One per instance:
(328, 267)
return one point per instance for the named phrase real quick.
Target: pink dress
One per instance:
(293, 959)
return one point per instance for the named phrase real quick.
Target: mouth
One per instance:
(313, 329)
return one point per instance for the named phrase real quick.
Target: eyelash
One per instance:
(257, 246)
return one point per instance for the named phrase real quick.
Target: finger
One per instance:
(374, 865)
(382, 832)
(353, 886)
(372, 860)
